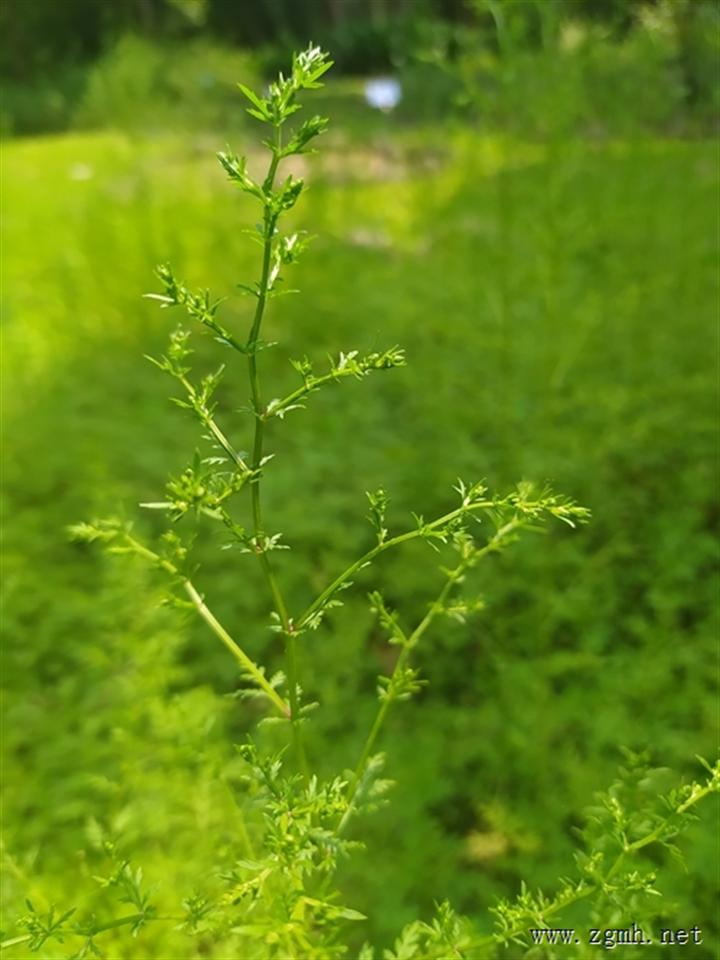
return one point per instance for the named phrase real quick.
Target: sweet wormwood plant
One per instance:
(282, 902)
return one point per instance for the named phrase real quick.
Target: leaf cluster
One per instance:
(627, 818)
(301, 850)
(48, 926)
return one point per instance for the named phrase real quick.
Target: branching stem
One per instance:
(215, 430)
(585, 890)
(248, 665)
(237, 651)
(92, 932)
(411, 641)
(421, 531)
(276, 409)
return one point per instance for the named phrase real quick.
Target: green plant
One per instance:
(142, 85)
(278, 899)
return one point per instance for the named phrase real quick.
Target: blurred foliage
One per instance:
(144, 85)
(44, 33)
(605, 64)
(545, 250)
(138, 84)
(538, 69)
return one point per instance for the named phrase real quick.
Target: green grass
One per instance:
(557, 302)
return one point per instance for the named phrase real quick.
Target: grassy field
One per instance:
(557, 302)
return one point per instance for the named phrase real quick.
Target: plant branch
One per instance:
(91, 932)
(409, 642)
(570, 895)
(15, 941)
(278, 407)
(207, 615)
(252, 669)
(211, 424)
(529, 511)
(348, 365)
(712, 786)
(422, 531)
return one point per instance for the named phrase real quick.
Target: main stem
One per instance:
(270, 222)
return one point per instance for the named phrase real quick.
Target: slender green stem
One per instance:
(134, 546)
(410, 642)
(367, 750)
(237, 651)
(400, 663)
(14, 941)
(90, 932)
(121, 922)
(292, 671)
(213, 427)
(368, 557)
(270, 222)
(278, 407)
(511, 935)
(209, 617)
(585, 891)
(657, 832)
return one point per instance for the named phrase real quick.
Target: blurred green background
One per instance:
(536, 222)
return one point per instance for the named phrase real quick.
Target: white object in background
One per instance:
(81, 171)
(383, 93)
